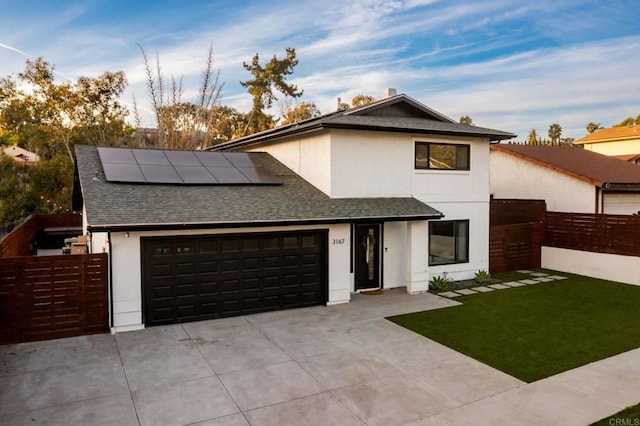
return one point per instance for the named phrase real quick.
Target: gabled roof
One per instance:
(611, 134)
(398, 113)
(583, 164)
(138, 206)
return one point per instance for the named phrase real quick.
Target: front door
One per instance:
(367, 256)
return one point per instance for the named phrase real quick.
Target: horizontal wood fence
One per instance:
(515, 246)
(600, 233)
(509, 211)
(48, 297)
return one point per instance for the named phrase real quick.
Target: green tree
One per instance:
(51, 184)
(592, 127)
(533, 137)
(292, 113)
(15, 199)
(45, 116)
(629, 121)
(465, 119)
(361, 100)
(555, 132)
(272, 76)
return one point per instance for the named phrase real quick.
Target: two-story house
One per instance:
(381, 196)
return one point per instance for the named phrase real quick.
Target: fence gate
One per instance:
(48, 297)
(515, 246)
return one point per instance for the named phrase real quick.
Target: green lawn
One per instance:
(629, 416)
(539, 330)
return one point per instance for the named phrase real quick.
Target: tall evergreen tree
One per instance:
(267, 79)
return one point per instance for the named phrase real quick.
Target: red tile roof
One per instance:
(580, 163)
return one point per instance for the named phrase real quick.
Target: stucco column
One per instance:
(417, 256)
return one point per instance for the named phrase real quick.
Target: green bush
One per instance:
(439, 283)
(482, 277)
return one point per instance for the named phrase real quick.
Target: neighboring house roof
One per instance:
(398, 113)
(611, 134)
(589, 166)
(134, 206)
(21, 154)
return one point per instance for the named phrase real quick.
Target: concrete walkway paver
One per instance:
(341, 364)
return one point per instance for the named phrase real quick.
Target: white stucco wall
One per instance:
(310, 159)
(127, 272)
(370, 164)
(513, 177)
(627, 147)
(613, 267)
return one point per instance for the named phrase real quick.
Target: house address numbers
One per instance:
(338, 241)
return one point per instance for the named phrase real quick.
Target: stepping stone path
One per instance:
(539, 277)
(466, 291)
(499, 286)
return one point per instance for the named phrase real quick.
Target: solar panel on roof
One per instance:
(123, 172)
(150, 156)
(195, 175)
(229, 175)
(116, 155)
(212, 159)
(182, 158)
(158, 173)
(239, 159)
(182, 167)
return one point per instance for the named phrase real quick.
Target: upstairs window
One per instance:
(442, 156)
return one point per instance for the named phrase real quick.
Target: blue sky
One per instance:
(511, 65)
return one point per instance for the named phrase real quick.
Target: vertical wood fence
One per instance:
(48, 297)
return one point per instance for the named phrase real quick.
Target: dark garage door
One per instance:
(213, 276)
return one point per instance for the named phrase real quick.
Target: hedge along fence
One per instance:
(599, 233)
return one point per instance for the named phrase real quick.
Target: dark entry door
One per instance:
(367, 256)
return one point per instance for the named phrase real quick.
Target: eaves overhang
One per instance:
(131, 227)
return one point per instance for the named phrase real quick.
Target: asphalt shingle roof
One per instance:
(580, 163)
(424, 121)
(113, 205)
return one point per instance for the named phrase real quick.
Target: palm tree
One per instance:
(555, 131)
(592, 127)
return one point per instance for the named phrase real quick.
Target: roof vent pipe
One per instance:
(389, 92)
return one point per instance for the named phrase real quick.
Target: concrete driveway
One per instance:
(337, 365)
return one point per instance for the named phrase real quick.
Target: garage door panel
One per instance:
(194, 278)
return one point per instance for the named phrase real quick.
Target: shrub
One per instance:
(439, 283)
(482, 277)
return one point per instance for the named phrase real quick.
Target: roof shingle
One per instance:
(580, 163)
(114, 205)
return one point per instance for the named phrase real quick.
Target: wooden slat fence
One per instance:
(509, 211)
(600, 233)
(48, 297)
(515, 246)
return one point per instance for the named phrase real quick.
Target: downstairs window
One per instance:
(448, 242)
